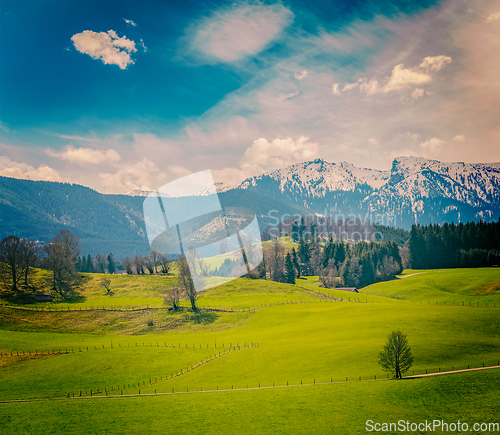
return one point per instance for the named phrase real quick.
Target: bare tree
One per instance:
(165, 264)
(328, 275)
(106, 282)
(156, 259)
(173, 297)
(186, 281)
(31, 253)
(138, 261)
(129, 265)
(101, 263)
(149, 264)
(11, 261)
(61, 259)
(396, 356)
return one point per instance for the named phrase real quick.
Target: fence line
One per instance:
(259, 386)
(63, 351)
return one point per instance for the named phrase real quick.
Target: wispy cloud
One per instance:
(231, 34)
(85, 156)
(130, 22)
(106, 46)
(493, 17)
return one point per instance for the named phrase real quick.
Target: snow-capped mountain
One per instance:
(413, 190)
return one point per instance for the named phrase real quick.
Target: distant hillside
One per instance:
(104, 223)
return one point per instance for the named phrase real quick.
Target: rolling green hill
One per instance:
(294, 334)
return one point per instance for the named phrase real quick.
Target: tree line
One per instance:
(336, 264)
(20, 257)
(449, 245)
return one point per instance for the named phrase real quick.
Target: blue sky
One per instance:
(122, 95)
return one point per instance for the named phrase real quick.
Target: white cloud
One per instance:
(143, 175)
(301, 75)
(9, 168)
(417, 93)
(459, 138)
(106, 46)
(432, 147)
(240, 31)
(373, 142)
(263, 156)
(85, 155)
(335, 89)
(434, 63)
(130, 22)
(402, 77)
(493, 17)
(141, 43)
(279, 153)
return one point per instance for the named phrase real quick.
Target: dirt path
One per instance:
(236, 389)
(411, 274)
(452, 371)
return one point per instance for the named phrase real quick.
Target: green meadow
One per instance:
(260, 357)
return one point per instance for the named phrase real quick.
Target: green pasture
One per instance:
(277, 334)
(317, 409)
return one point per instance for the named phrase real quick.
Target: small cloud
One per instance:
(335, 89)
(130, 22)
(9, 168)
(433, 146)
(350, 86)
(493, 17)
(106, 46)
(417, 93)
(459, 138)
(143, 46)
(373, 142)
(402, 77)
(301, 75)
(82, 156)
(237, 32)
(434, 63)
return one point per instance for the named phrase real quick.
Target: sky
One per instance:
(123, 95)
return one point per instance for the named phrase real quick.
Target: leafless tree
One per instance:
(328, 275)
(106, 282)
(128, 264)
(60, 258)
(164, 263)
(156, 259)
(387, 268)
(149, 264)
(139, 264)
(186, 281)
(173, 297)
(101, 263)
(11, 261)
(31, 253)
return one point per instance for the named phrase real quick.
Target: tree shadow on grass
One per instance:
(203, 318)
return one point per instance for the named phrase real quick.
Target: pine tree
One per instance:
(90, 264)
(294, 235)
(296, 263)
(111, 263)
(289, 269)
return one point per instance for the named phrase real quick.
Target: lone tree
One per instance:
(11, 261)
(172, 297)
(396, 356)
(186, 281)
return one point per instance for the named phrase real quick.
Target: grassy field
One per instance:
(277, 334)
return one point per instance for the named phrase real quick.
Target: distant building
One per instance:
(347, 289)
(43, 296)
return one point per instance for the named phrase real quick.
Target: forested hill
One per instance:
(105, 223)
